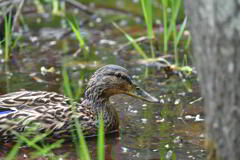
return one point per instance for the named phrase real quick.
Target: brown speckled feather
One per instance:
(48, 111)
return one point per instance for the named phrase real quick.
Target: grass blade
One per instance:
(76, 30)
(66, 83)
(101, 139)
(83, 146)
(14, 151)
(182, 28)
(165, 18)
(133, 41)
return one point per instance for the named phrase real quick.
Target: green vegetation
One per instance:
(170, 28)
(172, 33)
(7, 37)
(75, 28)
(147, 11)
(133, 41)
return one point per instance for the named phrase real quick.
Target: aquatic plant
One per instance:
(80, 38)
(147, 12)
(133, 41)
(7, 36)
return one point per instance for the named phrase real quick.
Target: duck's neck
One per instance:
(100, 104)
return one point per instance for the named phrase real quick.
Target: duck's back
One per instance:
(46, 111)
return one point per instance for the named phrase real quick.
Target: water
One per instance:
(174, 127)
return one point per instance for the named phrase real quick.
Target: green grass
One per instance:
(41, 150)
(147, 12)
(75, 28)
(100, 145)
(133, 41)
(7, 37)
(170, 34)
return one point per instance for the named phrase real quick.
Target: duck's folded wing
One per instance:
(29, 99)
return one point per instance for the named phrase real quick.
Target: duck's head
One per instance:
(110, 80)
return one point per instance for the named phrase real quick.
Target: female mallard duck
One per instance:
(52, 112)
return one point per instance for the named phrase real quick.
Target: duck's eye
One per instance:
(119, 75)
(137, 88)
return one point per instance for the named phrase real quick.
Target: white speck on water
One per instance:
(1, 51)
(180, 118)
(33, 39)
(52, 43)
(230, 67)
(167, 146)
(177, 101)
(125, 102)
(138, 20)
(169, 99)
(112, 102)
(99, 20)
(191, 157)
(189, 117)
(133, 111)
(130, 107)
(144, 120)
(155, 150)
(123, 23)
(107, 41)
(124, 149)
(136, 155)
(158, 21)
(160, 120)
(182, 94)
(198, 119)
(201, 135)
(177, 140)
(162, 101)
(144, 105)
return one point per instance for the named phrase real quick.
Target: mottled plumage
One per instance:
(51, 112)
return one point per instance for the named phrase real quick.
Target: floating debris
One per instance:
(124, 149)
(108, 42)
(144, 120)
(189, 117)
(198, 119)
(177, 140)
(177, 101)
(197, 100)
(44, 70)
(162, 101)
(167, 146)
(160, 120)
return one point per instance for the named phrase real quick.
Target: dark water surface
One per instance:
(148, 131)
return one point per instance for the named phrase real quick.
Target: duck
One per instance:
(50, 112)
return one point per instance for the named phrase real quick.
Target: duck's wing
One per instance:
(44, 111)
(30, 99)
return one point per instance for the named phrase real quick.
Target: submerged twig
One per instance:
(140, 39)
(17, 14)
(80, 6)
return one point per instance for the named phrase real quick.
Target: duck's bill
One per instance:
(141, 94)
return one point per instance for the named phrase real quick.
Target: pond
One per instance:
(172, 128)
